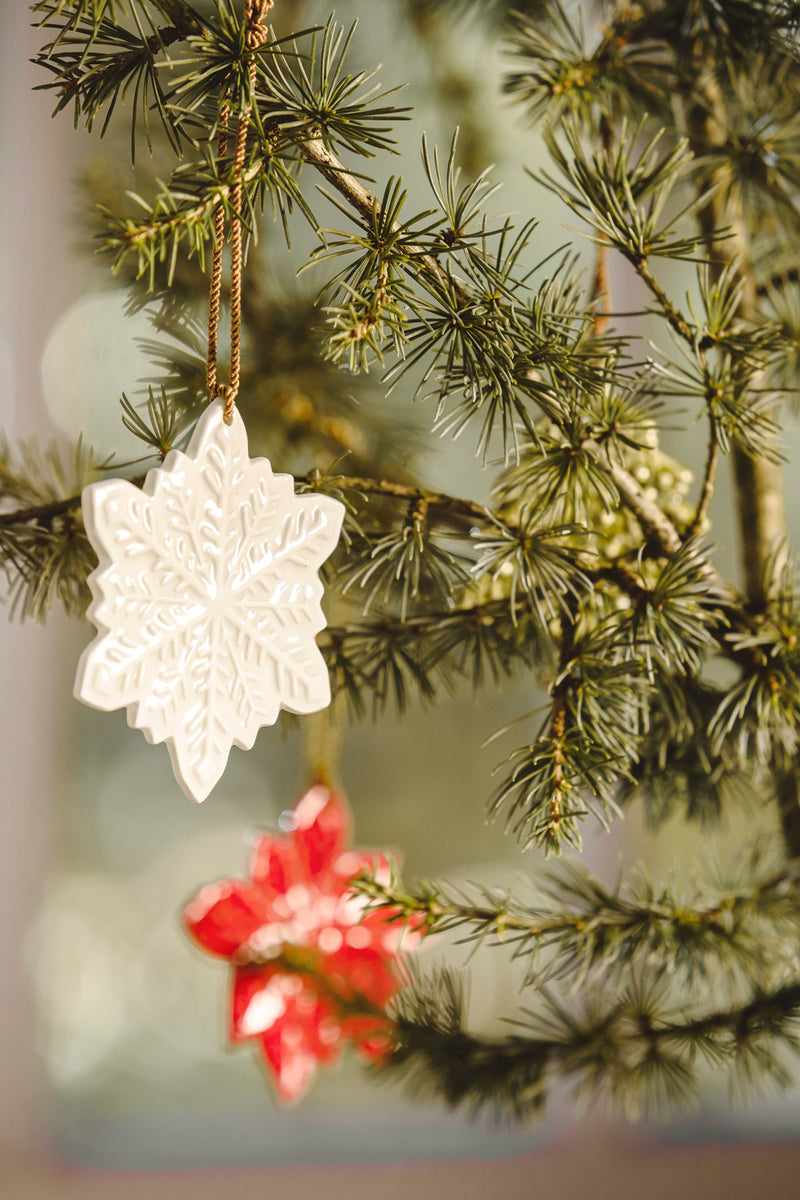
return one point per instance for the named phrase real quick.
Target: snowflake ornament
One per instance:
(311, 968)
(207, 599)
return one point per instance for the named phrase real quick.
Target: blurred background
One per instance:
(112, 1059)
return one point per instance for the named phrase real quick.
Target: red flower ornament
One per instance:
(311, 968)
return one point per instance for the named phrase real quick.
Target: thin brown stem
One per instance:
(131, 234)
(154, 44)
(655, 523)
(699, 520)
(601, 287)
(685, 331)
(42, 514)
(758, 481)
(670, 311)
(377, 487)
(763, 1008)
(438, 501)
(601, 292)
(716, 918)
(558, 726)
(360, 198)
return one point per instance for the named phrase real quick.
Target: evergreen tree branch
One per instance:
(759, 483)
(363, 201)
(654, 522)
(688, 334)
(632, 1048)
(559, 715)
(709, 478)
(585, 929)
(673, 314)
(170, 220)
(95, 60)
(451, 507)
(42, 514)
(389, 657)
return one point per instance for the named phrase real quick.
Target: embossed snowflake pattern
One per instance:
(207, 599)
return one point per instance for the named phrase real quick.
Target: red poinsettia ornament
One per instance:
(311, 968)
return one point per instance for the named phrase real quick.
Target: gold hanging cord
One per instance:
(255, 35)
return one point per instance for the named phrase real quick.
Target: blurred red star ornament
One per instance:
(311, 969)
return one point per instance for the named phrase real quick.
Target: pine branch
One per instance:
(41, 514)
(700, 518)
(653, 520)
(95, 60)
(585, 931)
(759, 483)
(360, 199)
(449, 505)
(759, 487)
(451, 508)
(633, 1049)
(390, 658)
(171, 220)
(673, 314)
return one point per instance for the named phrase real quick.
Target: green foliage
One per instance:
(44, 551)
(581, 751)
(313, 95)
(672, 133)
(561, 74)
(586, 934)
(623, 192)
(631, 1047)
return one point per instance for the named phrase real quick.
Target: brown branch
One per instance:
(758, 1012)
(709, 478)
(601, 288)
(127, 233)
(714, 917)
(558, 724)
(361, 199)
(670, 311)
(685, 331)
(655, 523)
(758, 481)
(438, 501)
(377, 487)
(391, 627)
(42, 514)
(601, 292)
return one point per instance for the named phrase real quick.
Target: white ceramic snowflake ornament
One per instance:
(207, 599)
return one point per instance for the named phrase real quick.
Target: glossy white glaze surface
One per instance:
(207, 599)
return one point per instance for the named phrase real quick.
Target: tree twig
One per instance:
(709, 478)
(615, 912)
(673, 314)
(401, 491)
(653, 521)
(43, 513)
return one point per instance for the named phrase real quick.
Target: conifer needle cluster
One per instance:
(672, 134)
